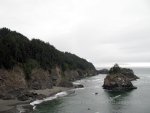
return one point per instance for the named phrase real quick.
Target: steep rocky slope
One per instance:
(13, 83)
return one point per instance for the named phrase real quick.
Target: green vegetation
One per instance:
(29, 66)
(17, 49)
(115, 69)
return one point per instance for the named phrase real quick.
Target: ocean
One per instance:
(94, 99)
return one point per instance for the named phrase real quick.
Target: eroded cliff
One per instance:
(13, 83)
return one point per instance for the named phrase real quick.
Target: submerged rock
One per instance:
(96, 93)
(119, 79)
(78, 86)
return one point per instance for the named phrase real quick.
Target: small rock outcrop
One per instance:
(119, 79)
(78, 85)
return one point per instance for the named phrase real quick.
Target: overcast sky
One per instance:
(101, 31)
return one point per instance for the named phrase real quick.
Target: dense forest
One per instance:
(16, 49)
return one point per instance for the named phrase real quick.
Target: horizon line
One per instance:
(134, 65)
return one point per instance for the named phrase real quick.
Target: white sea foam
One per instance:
(34, 107)
(50, 98)
(36, 102)
(20, 109)
(61, 94)
(115, 97)
(79, 88)
(76, 83)
(96, 86)
(97, 80)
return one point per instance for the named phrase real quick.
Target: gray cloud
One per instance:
(102, 31)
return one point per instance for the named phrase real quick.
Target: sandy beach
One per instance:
(11, 106)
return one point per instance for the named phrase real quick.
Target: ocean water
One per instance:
(85, 100)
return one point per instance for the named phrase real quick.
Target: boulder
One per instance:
(27, 95)
(23, 97)
(78, 86)
(40, 96)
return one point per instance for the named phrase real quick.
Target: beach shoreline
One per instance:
(14, 105)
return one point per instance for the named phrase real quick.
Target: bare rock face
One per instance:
(40, 79)
(14, 85)
(12, 82)
(119, 79)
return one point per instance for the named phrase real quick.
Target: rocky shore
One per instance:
(119, 79)
(15, 105)
(16, 90)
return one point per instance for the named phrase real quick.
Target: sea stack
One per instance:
(119, 79)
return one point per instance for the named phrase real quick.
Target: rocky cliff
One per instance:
(119, 79)
(13, 83)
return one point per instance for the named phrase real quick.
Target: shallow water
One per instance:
(85, 100)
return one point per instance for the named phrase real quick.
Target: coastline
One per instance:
(14, 106)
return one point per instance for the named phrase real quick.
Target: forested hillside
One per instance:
(16, 49)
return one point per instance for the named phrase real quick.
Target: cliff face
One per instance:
(40, 79)
(119, 79)
(13, 82)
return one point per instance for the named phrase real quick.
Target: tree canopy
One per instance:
(16, 49)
